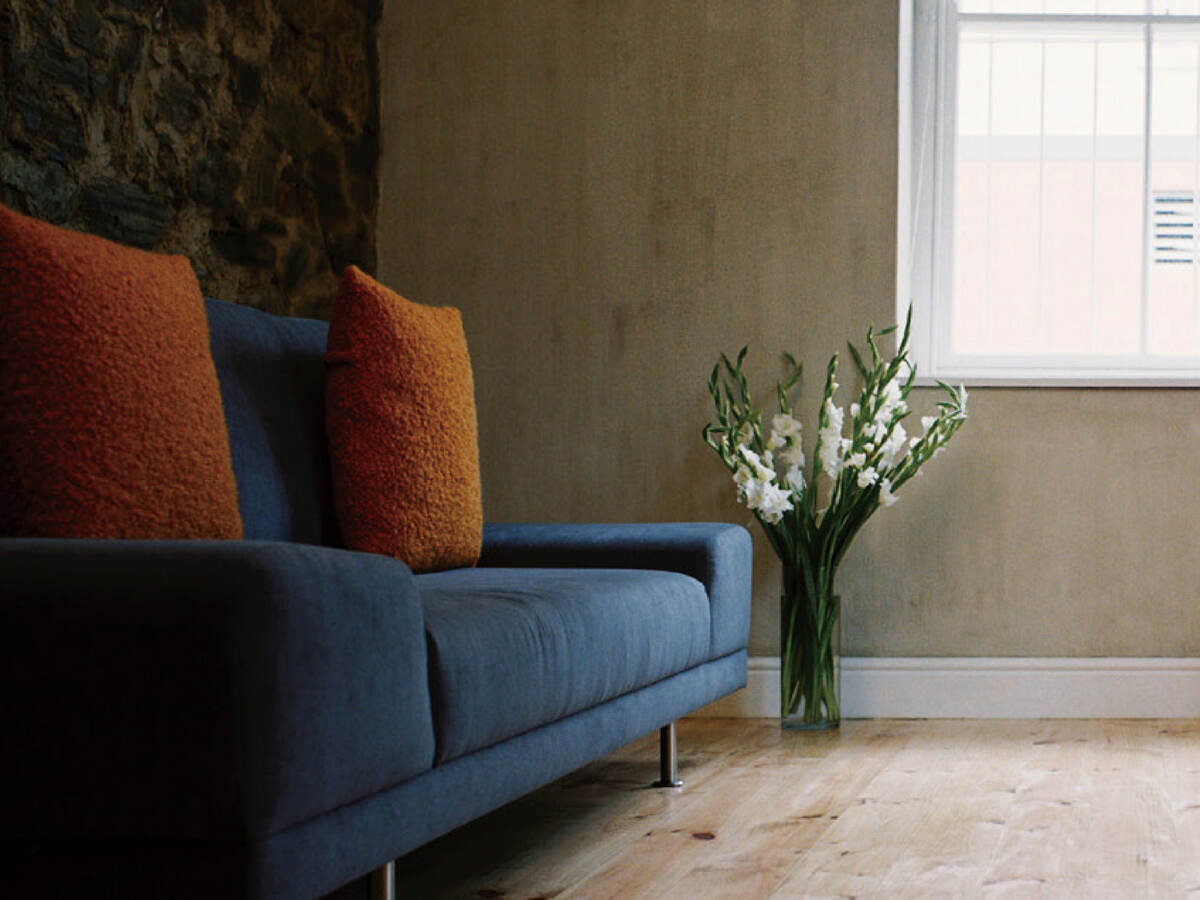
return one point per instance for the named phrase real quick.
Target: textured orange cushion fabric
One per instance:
(403, 440)
(111, 423)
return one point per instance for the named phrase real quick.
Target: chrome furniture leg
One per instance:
(383, 882)
(668, 760)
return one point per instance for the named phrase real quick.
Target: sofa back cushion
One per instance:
(110, 419)
(273, 386)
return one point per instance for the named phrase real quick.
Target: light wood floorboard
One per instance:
(953, 808)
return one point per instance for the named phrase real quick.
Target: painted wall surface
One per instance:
(614, 193)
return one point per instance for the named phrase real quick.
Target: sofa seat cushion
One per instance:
(512, 649)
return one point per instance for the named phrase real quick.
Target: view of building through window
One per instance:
(1076, 167)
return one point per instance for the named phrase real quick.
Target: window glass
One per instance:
(1063, 233)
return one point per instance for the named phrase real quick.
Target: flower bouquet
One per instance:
(809, 521)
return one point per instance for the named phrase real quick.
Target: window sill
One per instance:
(1067, 378)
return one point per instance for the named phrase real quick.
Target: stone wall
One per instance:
(242, 133)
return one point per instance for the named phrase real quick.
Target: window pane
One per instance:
(1176, 7)
(1122, 7)
(1121, 88)
(971, 327)
(974, 88)
(1016, 95)
(1171, 310)
(1012, 267)
(1068, 180)
(1048, 201)
(1116, 322)
(970, 314)
(1119, 186)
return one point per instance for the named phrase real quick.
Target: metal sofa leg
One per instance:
(668, 760)
(383, 882)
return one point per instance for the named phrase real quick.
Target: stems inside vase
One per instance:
(809, 664)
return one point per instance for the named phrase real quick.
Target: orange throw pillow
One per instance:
(404, 444)
(111, 424)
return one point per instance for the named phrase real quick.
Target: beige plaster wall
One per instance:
(615, 192)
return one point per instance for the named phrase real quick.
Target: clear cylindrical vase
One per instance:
(810, 655)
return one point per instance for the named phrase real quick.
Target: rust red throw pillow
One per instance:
(403, 440)
(111, 423)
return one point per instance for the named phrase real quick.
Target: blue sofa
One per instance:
(277, 717)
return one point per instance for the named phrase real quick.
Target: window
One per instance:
(1049, 164)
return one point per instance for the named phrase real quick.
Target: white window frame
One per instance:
(924, 234)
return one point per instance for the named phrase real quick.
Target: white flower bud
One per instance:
(867, 477)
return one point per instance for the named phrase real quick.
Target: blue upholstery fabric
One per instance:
(715, 554)
(257, 718)
(272, 380)
(324, 853)
(393, 822)
(512, 649)
(204, 689)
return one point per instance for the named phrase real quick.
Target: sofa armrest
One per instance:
(716, 554)
(211, 689)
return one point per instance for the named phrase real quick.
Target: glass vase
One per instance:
(810, 655)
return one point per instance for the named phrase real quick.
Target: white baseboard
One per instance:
(990, 688)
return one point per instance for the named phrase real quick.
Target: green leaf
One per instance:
(858, 360)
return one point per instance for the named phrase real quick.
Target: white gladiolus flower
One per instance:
(894, 446)
(867, 477)
(752, 490)
(927, 422)
(792, 456)
(831, 462)
(746, 483)
(836, 416)
(773, 502)
(854, 410)
(795, 478)
(891, 395)
(786, 426)
(831, 439)
(856, 460)
(762, 467)
(886, 497)
(893, 405)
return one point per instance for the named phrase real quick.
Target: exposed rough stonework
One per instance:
(242, 133)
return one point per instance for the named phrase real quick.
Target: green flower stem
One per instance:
(808, 663)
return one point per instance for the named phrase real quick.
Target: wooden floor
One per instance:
(923, 809)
